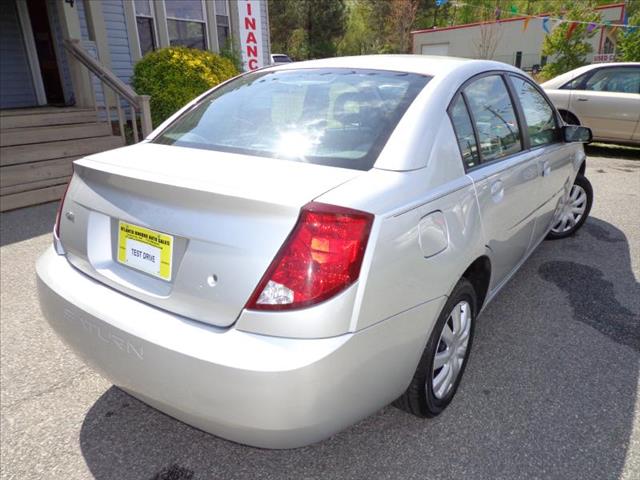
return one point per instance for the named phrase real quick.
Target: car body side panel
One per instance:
(636, 133)
(610, 115)
(560, 98)
(508, 193)
(558, 164)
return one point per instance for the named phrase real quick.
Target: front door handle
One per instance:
(582, 99)
(546, 169)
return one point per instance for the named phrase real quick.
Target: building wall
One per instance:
(463, 41)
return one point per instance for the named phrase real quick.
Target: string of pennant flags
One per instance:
(549, 23)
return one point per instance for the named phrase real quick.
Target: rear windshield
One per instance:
(336, 117)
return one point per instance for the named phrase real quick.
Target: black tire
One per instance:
(582, 182)
(419, 398)
(569, 118)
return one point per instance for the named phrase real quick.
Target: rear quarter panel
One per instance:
(396, 275)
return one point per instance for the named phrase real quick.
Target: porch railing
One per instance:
(138, 104)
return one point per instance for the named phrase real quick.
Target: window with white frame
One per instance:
(222, 23)
(186, 23)
(145, 25)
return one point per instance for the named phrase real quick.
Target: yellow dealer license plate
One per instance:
(145, 250)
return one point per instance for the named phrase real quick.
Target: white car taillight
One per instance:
(321, 257)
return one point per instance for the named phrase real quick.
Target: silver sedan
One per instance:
(305, 244)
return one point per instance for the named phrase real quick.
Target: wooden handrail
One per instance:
(138, 103)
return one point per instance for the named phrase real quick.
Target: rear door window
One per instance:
(465, 136)
(494, 117)
(620, 80)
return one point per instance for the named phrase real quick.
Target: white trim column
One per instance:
(70, 24)
(132, 30)
(161, 22)
(212, 25)
(32, 53)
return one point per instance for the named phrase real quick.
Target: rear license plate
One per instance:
(145, 250)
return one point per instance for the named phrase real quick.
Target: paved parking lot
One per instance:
(551, 390)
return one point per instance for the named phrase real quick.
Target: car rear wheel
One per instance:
(445, 356)
(573, 210)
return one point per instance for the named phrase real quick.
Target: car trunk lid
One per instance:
(225, 216)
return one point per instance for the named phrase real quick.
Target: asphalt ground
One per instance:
(551, 390)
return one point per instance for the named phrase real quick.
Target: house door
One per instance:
(47, 60)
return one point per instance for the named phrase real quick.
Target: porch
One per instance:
(58, 100)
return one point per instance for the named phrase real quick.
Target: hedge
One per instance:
(174, 76)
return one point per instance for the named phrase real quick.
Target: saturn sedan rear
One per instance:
(303, 245)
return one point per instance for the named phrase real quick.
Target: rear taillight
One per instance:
(56, 227)
(321, 257)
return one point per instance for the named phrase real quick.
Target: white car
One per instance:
(280, 59)
(604, 97)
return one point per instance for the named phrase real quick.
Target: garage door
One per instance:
(435, 49)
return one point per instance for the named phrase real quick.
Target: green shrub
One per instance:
(174, 76)
(629, 42)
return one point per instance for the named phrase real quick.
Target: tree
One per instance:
(324, 22)
(359, 37)
(366, 26)
(284, 18)
(401, 18)
(569, 50)
(629, 42)
(488, 39)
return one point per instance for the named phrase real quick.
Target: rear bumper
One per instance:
(259, 390)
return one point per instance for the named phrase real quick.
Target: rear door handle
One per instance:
(497, 190)
(582, 99)
(546, 169)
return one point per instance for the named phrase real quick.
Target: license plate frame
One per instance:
(145, 250)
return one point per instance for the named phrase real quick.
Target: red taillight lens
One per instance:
(56, 227)
(321, 257)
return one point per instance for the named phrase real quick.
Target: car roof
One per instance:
(560, 80)
(432, 65)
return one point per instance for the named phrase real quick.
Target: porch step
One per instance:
(49, 150)
(38, 147)
(34, 118)
(16, 178)
(30, 135)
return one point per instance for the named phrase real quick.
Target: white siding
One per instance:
(16, 83)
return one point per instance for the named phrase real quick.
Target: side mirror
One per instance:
(576, 134)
